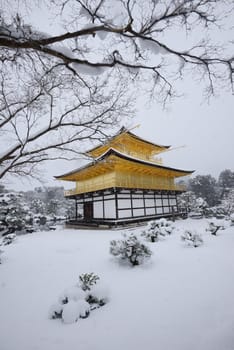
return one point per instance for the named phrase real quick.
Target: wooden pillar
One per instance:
(116, 205)
(103, 205)
(131, 202)
(76, 208)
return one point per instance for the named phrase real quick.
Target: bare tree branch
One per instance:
(58, 91)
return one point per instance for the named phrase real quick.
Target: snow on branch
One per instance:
(59, 89)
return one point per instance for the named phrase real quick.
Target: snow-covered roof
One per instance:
(123, 130)
(112, 151)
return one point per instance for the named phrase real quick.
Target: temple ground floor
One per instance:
(116, 206)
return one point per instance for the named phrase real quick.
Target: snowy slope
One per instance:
(181, 299)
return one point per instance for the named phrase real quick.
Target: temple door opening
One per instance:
(88, 210)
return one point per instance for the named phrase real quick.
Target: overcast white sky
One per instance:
(206, 130)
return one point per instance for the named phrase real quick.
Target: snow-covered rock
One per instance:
(99, 294)
(55, 311)
(74, 310)
(84, 308)
(71, 312)
(72, 294)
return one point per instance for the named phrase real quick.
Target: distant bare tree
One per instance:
(58, 90)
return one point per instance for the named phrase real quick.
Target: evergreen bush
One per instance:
(87, 280)
(8, 239)
(215, 226)
(157, 228)
(1, 251)
(192, 238)
(130, 249)
(77, 302)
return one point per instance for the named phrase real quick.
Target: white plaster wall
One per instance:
(172, 201)
(97, 210)
(138, 212)
(124, 203)
(138, 203)
(110, 209)
(110, 196)
(150, 211)
(149, 202)
(125, 213)
(124, 195)
(158, 202)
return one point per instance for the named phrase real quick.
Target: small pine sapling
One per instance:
(131, 249)
(192, 238)
(88, 283)
(87, 280)
(77, 302)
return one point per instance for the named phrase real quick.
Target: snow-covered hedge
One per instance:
(130, 249)
(232, 219)
(8, 239)
(215, 225)
(1, 251)
(192, 238)
(78, 301)
(157, 228)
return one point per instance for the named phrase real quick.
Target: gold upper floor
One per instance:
(132, 145)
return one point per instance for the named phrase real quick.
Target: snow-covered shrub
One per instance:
(72, 311)
(157, 228)
(232, 219)
(77, 302)
(227, 202)
(151, 235)
(187, 200)
(97, 296)
(8, 239)
(131, 249)
(192, 238)
(56, 311)
(87, 280)
(214, 226)
(94, 292)
(72, 294)
(216, 211)
(1, 251)
(198, 209)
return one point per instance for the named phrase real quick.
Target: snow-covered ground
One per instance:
(182, 298)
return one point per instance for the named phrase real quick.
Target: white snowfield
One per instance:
(181, 299)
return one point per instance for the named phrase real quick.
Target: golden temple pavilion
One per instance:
(126, 182)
